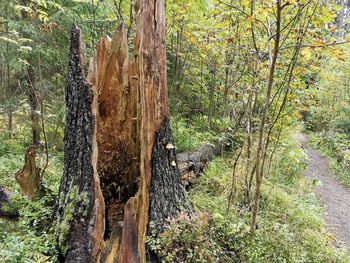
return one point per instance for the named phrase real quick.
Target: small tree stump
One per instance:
(29, 177)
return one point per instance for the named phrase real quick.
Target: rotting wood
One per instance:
(119, 166)
(29, 177)
(113, 80)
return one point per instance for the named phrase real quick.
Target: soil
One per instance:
(334, 196)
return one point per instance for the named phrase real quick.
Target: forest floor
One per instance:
(334, 196)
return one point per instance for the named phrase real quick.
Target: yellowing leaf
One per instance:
(307, 52)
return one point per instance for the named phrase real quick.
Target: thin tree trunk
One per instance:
(34, 106)
(263, 118)
(10, 121)
(32, 96)
(8, 82)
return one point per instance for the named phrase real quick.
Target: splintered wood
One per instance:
(119, 149)
(114, 82)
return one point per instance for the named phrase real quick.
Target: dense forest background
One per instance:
(243, 76)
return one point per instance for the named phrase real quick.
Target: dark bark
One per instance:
(79, 210)
(167, 195)
(193, 163)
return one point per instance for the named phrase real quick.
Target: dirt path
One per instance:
(336, 197)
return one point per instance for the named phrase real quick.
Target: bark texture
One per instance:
(81, 207)
(167, 195)
(120, 163)
(193, 163)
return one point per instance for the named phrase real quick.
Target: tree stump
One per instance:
(29, 177)
(120, 169)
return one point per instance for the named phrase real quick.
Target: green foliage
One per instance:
(329, 110)
(189, 240)
(190, 136)
(290, 227)
(329, 115)
(30, 239)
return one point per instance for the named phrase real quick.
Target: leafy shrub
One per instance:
(190, 136)
(189, 240)
(30, 239)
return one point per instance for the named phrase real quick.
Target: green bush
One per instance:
(190, 136)
(30, 239)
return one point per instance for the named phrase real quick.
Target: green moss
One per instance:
(75, 207)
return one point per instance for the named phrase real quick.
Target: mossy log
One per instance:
(121, 176)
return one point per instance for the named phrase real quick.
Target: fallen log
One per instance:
(192, 163)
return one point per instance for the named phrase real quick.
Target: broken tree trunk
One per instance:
(80, 214)
(120, 171)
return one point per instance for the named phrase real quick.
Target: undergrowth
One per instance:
(31, 238)
(189, 135)
(290, 221)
